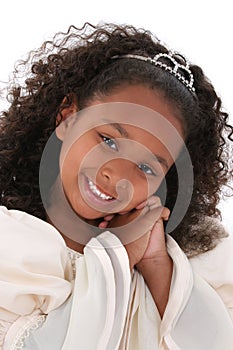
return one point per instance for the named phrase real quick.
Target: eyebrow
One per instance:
(118, 127)
(124, 133)
(162, 161)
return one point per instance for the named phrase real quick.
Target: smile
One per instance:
(93, 188)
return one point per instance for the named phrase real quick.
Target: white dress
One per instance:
(54, 298)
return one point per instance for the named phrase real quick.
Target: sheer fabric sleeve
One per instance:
(34, 271)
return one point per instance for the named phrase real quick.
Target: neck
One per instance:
(75, 231)
(78, 247)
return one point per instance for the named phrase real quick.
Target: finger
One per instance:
(103, 224)
(124, 212)
(153, 214)
(151, 202)
(146, 220)
(108, 217)
(139, 225)
(165, 214)
(141, 205)
(157, 243)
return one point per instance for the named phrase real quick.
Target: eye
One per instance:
(109, 142)
(146, 169)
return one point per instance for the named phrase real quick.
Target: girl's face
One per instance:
(113, 167)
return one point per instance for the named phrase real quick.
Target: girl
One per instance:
(105, 118)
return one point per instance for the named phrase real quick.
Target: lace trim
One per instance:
(25, 331)
(73, 255)
(4, 326)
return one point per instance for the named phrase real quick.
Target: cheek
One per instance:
(78, 148)
(145, 187)
(71, 160)
(69, 171)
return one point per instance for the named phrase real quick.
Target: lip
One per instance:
(93, 197)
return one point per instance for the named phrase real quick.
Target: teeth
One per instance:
(97, 192)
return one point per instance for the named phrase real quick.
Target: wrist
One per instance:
(157, 274)
(159, 262)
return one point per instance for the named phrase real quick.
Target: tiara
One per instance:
(168, 62)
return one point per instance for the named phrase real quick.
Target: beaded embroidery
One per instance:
(169, 62)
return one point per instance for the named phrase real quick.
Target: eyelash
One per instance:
(140, 166)
(107, 141)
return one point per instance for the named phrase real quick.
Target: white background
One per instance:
(201, 30)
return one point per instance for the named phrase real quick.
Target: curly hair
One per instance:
(79, 63)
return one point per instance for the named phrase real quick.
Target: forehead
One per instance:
(135, 121)
(127, 113)
(147, 98)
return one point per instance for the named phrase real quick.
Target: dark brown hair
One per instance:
(79, 63)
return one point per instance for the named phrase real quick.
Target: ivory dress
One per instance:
(52, 298)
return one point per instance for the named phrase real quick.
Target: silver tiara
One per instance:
(168, 62)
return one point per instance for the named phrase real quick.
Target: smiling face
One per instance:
(114, 166)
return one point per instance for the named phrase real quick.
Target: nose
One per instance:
(116, 170)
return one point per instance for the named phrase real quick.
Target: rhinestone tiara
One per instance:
(169, 63)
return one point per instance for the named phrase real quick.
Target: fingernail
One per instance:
(103, 224)
(108, 217)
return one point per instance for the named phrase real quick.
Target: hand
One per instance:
(138, 224)
(156, 265)
(157, 245)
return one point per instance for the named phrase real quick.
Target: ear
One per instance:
(63, 116)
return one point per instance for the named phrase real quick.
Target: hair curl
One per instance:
(79, 63)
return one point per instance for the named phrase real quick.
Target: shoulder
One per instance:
(34, 263)
(216, 264)
(29, 242)
(213, 266)
(218, 258)
(20, 227)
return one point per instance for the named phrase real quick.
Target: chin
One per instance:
(86, 215)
